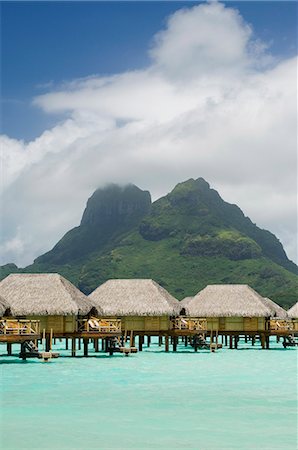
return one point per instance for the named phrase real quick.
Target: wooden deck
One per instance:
(18, 330)
(96, 327)
(187, 326)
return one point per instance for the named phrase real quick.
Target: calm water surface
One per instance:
(233, 399)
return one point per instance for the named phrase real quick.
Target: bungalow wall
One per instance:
(59, 324)
(241, 324)
(143, 324)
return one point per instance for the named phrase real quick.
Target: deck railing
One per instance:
(188, 323)
(280, 325)
(96, 325)
(19, 327)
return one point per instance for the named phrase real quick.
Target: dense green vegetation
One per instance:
(184, 241)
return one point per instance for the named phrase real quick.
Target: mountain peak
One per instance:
(117, 204)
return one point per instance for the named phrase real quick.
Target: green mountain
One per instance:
(185, 240)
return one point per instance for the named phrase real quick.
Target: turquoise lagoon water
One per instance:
(231, 399)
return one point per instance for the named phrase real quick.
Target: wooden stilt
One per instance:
(96, 346)
(267, 342)
(79, 343)
(226, 340)
(175, 339)
(166, 343)
(9, 348)
(148, 341)
(185, 340)
(102, 344)
(66, 344)
(48, 343)
(236, 341)
(263, 343)
(160, 340)
(131, 339)
(51, 339)
(141, 338)
(245, 339)
(253, 340)
(73, 347)
(231, 341)
(85, 343)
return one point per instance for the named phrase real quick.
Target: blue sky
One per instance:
(45, 43)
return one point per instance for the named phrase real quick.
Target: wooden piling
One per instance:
(263, 340)
(148, 341)
(9, 348)
(96, 346)
(175, 339)
(141, 339)
(231, 341)
(236, 341)
(166, 343)
(160, 340)
(85, 343)
(66, 344)
(73, 347)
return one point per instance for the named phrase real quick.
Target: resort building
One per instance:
(60, 308)
(49, 298)
(143, 305)
(231, 310)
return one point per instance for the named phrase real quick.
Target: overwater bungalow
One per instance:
(145, 308)
(293, 314)
(62, 310)
(143, 305)
(231, 310)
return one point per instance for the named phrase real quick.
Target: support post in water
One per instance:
(73, 347)
(9, 348)
(166, 343)
(140, 343)
(85, 342)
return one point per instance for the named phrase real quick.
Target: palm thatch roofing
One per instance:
(227, 300)
(134, 297)
(277, 311)
(4, 307)
(185, 301)
(293, 312)
(43, 294)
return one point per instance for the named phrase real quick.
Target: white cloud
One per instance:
(213, 103)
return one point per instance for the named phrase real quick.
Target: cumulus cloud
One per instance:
(212, 103)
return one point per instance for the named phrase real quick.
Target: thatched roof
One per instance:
(227, 300)
(43, 294)
(134, 298)
(277, 311)
(4, 307)
(293, 312)
(185, 301)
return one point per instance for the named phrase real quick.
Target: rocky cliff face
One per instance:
(110, 212)
(116, 204)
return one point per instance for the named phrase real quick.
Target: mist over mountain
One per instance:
(185, 240)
